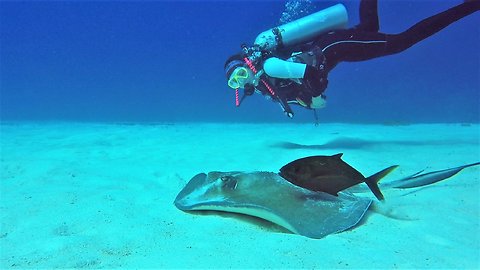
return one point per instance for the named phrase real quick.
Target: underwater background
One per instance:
(106, 111)
(163, 61)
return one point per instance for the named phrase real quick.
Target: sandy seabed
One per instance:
(83, 195)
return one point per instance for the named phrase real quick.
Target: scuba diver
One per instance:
(289, 64)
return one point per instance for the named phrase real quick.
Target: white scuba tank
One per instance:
(304, 29)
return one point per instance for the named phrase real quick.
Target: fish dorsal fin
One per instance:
(338, 156)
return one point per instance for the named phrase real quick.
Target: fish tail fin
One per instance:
(372, 181)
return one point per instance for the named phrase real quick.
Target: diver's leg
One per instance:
(351, 45)
(368, 16)
(354, 45)
(424, 29)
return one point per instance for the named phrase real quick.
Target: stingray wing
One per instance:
(322, 214)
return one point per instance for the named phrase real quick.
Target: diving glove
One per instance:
(318, 102)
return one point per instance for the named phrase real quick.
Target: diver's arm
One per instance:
(314, 79)
(278, 68)
(315, 84)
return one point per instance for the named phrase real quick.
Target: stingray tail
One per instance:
(373, 180)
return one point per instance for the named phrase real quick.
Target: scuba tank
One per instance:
(303, 29)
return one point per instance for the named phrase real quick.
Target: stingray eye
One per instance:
(229, 182)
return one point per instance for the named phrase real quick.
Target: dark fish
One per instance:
(330, 174)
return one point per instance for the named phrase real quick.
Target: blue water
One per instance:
(163, 61)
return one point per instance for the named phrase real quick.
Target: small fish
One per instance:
(330, 174)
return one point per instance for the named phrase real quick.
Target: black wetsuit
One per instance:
(360, 43)
(364, 42)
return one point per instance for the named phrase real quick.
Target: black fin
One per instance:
(339, 156)
(373, 180)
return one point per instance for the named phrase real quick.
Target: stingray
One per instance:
(268, 196)
(330, 174)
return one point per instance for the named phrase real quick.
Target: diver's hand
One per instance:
(310, 102)
(318, 102)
